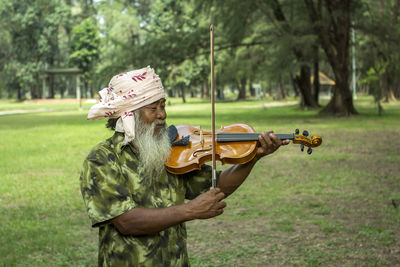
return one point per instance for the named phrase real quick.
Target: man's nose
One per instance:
(161, 114)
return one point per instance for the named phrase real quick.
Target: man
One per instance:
(140, 209)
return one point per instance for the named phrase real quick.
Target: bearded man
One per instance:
(140, 208)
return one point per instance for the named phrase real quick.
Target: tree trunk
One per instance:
(387, 92)
(91, 90)
(396, 89)
(316, 75)
(294, 84)
(51, 87)
(389, 82)
(63, 88)
(68, 85)
(382, 10)
(19, 93)
(341, 102)
(303, 81)
(183, 93)
(334, 37)
(32, 91)
(86, 88)
(242, 90)
(395, 13)
(219, 94)
(252, 89)
(281, 90)
(304, 85)
(206, 90)
(38, 87)
(384, 89)
(269, 89)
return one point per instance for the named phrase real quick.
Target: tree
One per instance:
(85, 44)
(5, 51)
(379, 43)
(177, 36)
(33, 35)
(331, 23)
(300, 43)
(266, 33)
(122, 36)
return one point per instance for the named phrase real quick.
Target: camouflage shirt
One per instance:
(111, 184)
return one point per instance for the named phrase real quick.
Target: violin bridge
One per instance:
(201, 138)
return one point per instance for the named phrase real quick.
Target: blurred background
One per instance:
(312, 49)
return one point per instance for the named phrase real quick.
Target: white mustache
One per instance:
(159, 121)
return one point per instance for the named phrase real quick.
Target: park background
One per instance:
(329, 67)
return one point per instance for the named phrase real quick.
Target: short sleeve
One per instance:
(198, 182)
(104, 189)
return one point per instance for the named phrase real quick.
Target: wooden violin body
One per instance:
(235, 144)
(185, 158)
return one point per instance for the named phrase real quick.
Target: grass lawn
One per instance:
(333, 208)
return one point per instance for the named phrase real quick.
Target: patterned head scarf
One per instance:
(127, 92)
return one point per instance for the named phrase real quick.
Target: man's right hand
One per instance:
(206, 205)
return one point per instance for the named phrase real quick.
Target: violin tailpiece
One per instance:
(184, 141)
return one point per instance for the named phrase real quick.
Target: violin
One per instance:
(235, 144)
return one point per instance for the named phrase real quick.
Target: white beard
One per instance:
(153, 150)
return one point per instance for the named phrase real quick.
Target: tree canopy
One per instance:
(274, 45)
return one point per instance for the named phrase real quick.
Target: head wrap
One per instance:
(127, 92)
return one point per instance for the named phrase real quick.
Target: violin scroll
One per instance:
(304, 140)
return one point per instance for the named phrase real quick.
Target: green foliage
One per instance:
(120, 37)
(256, 42)
(31, 42)
(85, 42)
(378, 43)
(373, 80)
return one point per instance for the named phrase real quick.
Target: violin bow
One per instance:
(214, 168)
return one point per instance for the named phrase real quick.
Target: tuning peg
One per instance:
(302, 147)
(305, 133)
(297, 131)
(309, 150)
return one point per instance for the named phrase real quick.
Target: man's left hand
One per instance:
(268, 144)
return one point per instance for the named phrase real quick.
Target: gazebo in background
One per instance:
(324, 80)
(52, 72)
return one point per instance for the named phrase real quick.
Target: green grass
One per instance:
(9, 105)
(332, 208)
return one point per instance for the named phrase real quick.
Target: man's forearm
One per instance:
(144, 221)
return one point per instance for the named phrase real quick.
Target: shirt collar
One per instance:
(116, 141)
